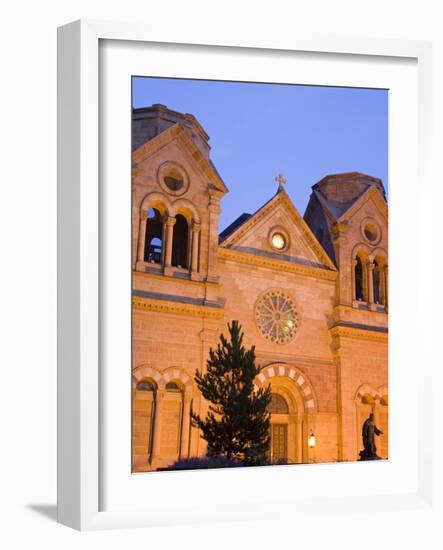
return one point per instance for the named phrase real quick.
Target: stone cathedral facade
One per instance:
(310, 292)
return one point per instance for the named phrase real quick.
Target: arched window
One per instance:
(172, 386)
(143, 415)
(172, 422)
(180, 242)
(154, 237)
(358, 277)
(278, 405)
(376, 280)
(145, 385)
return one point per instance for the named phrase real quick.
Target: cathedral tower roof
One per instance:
(337, 192)
(148, 122)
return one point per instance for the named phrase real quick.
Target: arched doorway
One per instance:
(279, 409)
(293, 412)
(287, 422)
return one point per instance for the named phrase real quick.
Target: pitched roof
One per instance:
(234, 234)
(233, 226)
(337, 193)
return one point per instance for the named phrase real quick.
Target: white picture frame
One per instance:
(82, 434)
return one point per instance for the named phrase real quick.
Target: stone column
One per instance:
(370, 275)
(214, 214)
(195, 242)
(157, 427)
(354, 265)
(344, 264)
(169, 223)
(384, 285)
(185, 425)
(142, 237)
(299, 441)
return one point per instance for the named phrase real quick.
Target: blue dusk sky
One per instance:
(259, 130)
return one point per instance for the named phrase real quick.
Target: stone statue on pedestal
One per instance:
(369, 431)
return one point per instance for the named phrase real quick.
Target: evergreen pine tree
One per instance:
(237, 424)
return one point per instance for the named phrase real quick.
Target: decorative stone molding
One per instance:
(155, 200)
(170, 221)
(178, 308)
(276, 264)
(282, 198)
(141, 266)
(162, 378)
(298, 378)
(355, 333)
(186, 208)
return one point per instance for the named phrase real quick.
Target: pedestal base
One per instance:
(364, 455)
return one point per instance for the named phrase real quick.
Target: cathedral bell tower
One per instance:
(176, 198)
(348, 215)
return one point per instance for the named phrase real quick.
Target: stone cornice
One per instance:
(177, 308)
(273, 263)
(353, 333)
(169, 279)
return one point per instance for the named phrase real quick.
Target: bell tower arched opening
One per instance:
(154, 237)
(180, 243)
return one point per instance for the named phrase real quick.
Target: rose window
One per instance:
(276, 316)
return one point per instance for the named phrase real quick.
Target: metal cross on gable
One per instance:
(281, 180)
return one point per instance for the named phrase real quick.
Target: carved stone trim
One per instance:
(164, 306)
(298, 377)
(160, 276)
(283, 198)
(275, 264)
(359, 334)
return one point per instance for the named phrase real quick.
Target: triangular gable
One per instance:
(253, 234)
(372, 193)
(196, 158)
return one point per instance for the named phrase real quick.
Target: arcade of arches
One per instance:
(310, 292)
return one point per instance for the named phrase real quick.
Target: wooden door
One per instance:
(279, 442)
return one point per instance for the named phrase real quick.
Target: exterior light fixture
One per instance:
(311, 440)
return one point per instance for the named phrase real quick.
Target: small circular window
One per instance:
(276, 316)
(371, 231)
(173, 181)
(173, 178)
(278, 241)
